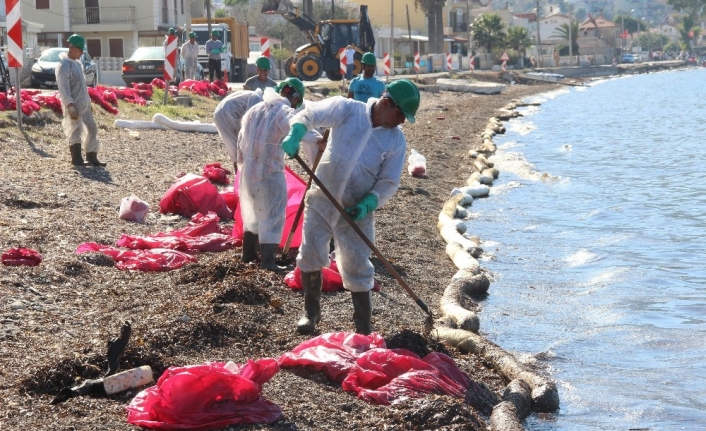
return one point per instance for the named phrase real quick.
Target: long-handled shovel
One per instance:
(365, 239)
(284, 259)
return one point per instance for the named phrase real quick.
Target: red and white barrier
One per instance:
(386, 60)
(504, 58)
(471, 59)
(265, 47)
(342, 56)
(448, 61)
(416, 62)
(15, 54)
(170, 58)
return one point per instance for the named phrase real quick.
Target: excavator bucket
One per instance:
(277, 6)
(367, 35)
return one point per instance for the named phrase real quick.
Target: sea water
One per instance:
(595, 234)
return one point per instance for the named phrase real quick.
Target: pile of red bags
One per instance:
(20, 256)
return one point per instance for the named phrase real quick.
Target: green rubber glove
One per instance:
(366, 205)
(290, 145)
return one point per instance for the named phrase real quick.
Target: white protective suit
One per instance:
(190, 53)
(260, 158)
(72, 89)
(228, 116)
(358, 160)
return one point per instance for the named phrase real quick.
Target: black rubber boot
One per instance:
(268, 257)
(249, 247)
(76, 157)
(93, 159)
(311, 283)
(362, 311)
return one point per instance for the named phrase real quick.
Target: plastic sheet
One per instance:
(331, 280)
(133, 209)
(193, 194)
(382, 376)
(295, 193)
(216, 173)
(21, 256)
(333, 353)
(417, 164)
(159, 259)
(207, 396)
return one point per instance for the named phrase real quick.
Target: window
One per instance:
(41, 4)
(93, 46)
(115, 48)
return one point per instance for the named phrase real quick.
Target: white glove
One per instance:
(73, 112)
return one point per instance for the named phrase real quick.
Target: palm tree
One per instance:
(488, 31)
(434, 10)
(562, 31)
(518, 38)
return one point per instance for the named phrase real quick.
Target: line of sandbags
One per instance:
(459, 325)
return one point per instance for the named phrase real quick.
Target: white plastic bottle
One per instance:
(129, 379)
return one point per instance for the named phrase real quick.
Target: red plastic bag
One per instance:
(211, 395)
(382, 376)
(158, 259)
(334, 353)
(216, 173)
(331, 280)
(21, 256)
(193, 194)
(295, 193)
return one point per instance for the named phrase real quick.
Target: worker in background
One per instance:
(361, 167)
(177, 65)
(190, 54)
(262, 79)
(366, 85)
(350, 61)
(262, 186)
(79, 125)
(228, 115)
(214, 48)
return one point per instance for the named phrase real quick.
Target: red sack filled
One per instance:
(231, 199)
(211, 395)
(193, 194)
(97, 97)
(21, 256)
(159, 83)
(295, 193)
(216, 173)
(334, 353)
(158, 259)
(331, 280)
(382, 376)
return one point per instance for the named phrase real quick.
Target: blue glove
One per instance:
(366, 205)
(290, 145)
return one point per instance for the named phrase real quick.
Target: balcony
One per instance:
(87, 19)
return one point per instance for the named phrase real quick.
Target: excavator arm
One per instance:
(367, 35)
(290, 13)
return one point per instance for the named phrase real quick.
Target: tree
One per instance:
(563, 32)
(518, 38)
(688, 32)
(236, 2)
(434, 10)
(220, 13)
(693, 8)
(488, 31)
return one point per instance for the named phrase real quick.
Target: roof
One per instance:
(530, 16)
(599, 22)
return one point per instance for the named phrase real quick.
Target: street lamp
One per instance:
(571, 42)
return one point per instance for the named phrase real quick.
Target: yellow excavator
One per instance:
(325, 39)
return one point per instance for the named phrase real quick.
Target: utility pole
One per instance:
(187, 16)
(332, 10)
(539, 40)
(208, 16)
(622, 33)
(571, 40)
(468, 28)
(392, 38)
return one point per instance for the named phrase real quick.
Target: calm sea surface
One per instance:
(599, 269)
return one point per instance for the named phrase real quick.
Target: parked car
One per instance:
(43, 68)
(147, 63)
(628, 58)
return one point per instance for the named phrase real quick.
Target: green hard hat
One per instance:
(77, 40)
(263, 63)
(215, 33)
(369, 58)
(192, 34)
(405, 95)
(296, 84)
(172, 31)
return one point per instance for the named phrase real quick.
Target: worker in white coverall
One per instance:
(79, 125)
(262, 186)
(190, 54)
(361, 168)
(228, 116)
